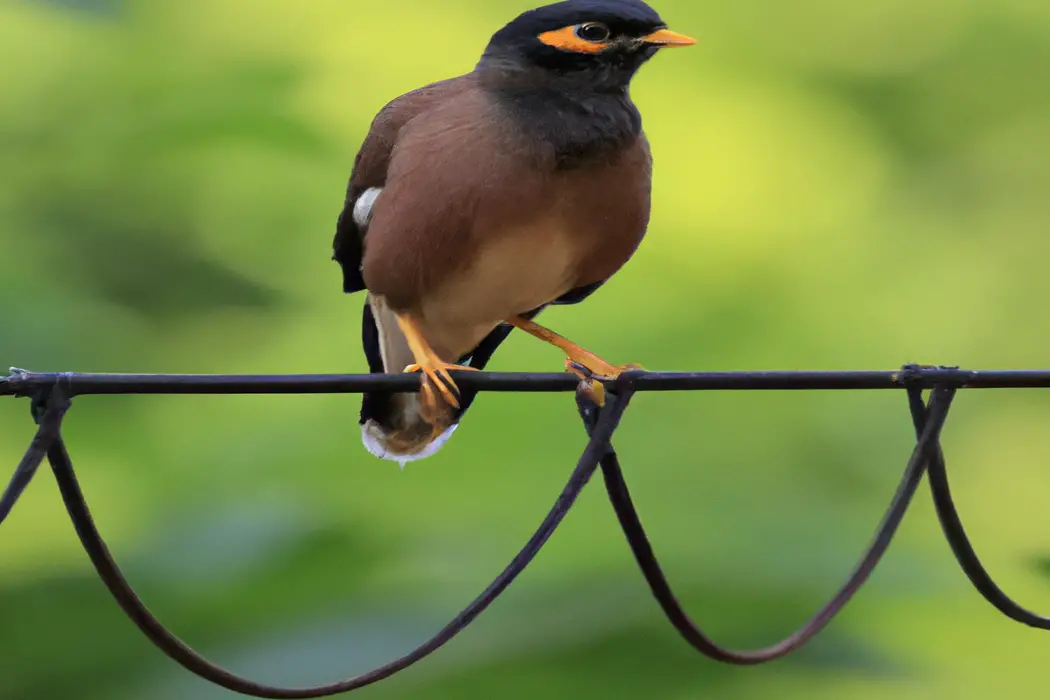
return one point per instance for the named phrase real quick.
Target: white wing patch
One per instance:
(363, 206)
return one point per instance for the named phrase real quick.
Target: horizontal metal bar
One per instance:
(23, 383)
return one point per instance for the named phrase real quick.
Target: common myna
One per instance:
(477, 201)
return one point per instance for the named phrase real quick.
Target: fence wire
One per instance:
(52, 396)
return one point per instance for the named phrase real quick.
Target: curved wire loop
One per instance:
(955, 533)
(52, 403)
(621, 501)
(46, 434)
(189, 659)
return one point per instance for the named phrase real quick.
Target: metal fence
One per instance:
(52, 396)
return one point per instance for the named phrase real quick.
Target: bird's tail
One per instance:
(391, 425)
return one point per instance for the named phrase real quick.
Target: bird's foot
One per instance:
(583, 363)
(437, 379)
(593, 366)
(585, 358)
(436, 375)
(595, 389)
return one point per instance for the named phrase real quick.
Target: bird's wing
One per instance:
(379, 335)
(370, 171)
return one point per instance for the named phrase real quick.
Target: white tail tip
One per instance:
(371, 436)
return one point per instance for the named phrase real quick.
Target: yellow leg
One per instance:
(585, 358)
(428, 362)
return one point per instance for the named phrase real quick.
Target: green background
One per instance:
(837, 186)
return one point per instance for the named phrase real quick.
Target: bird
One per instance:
(477, 201)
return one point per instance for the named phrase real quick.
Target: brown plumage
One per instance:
(478, 201)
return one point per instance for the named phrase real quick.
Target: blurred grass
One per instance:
(837, 186)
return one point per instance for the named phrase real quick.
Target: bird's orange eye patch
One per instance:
(568, 39)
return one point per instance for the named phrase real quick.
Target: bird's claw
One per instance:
(604, 371)
(437, 375)
(590, 380)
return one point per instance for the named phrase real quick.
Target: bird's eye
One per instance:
(594, 32)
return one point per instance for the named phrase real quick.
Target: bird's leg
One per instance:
(428, 362)
(575, 354)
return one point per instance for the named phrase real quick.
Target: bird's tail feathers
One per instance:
(392, 427)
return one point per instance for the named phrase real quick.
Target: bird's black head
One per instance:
(586, 43)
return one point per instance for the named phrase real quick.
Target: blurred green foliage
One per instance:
(838, 185)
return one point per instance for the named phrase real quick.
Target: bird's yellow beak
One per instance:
(667, 38)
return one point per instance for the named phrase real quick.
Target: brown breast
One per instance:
(475, 226)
